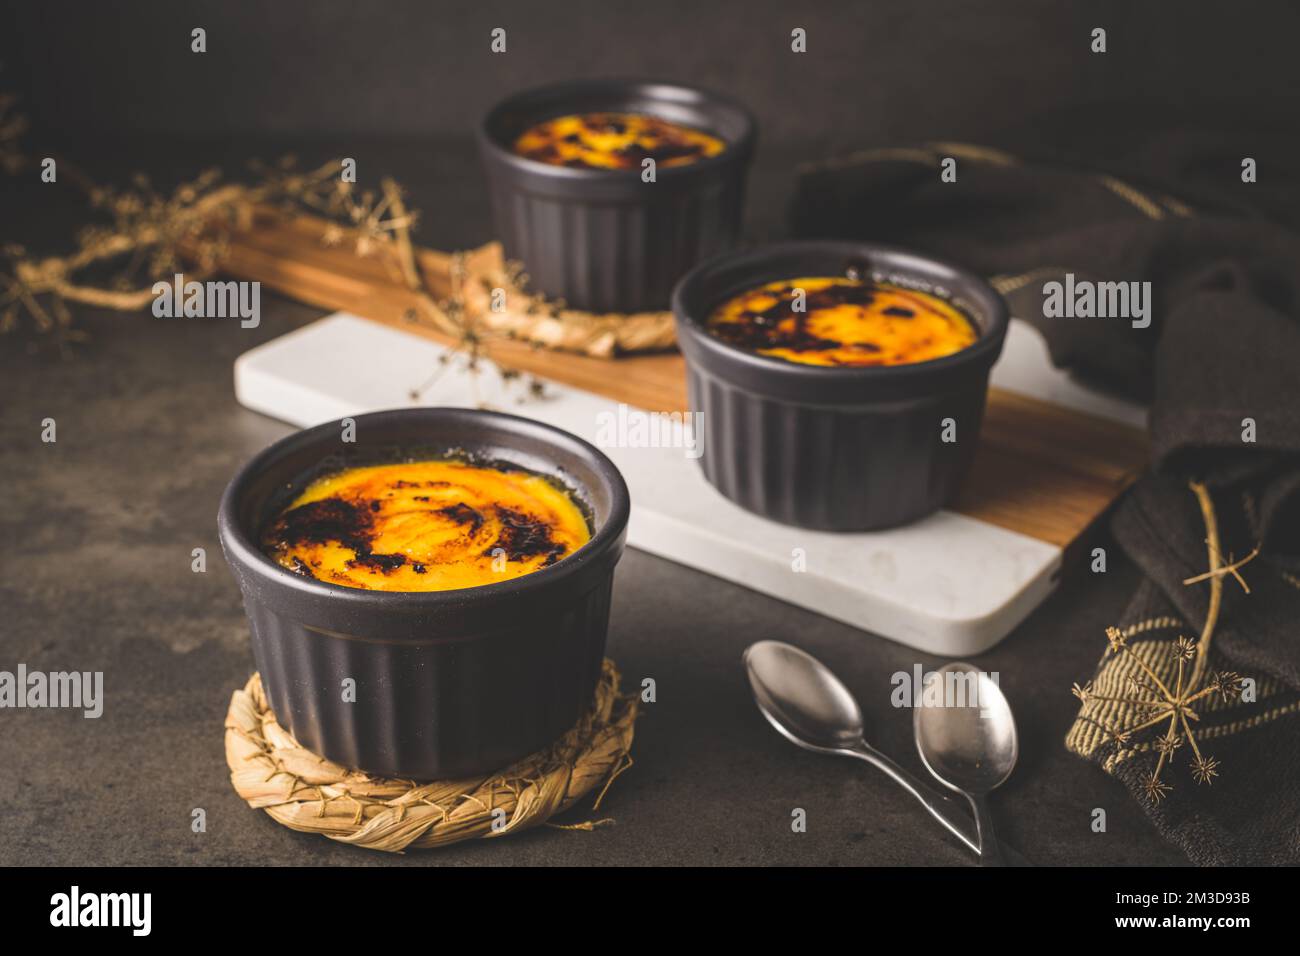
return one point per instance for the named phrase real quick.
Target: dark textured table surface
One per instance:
(98, 531)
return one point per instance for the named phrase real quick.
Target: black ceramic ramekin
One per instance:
(602, 239)
(836, 449)
(448, 683)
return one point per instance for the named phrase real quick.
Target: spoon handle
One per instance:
(990, 849)
(946, 811)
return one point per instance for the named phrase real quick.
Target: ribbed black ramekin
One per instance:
(836, 449)
(448, 683)
(601, 239)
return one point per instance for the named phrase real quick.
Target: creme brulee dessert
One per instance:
(615, 141)
(843, 322)
(425, 526)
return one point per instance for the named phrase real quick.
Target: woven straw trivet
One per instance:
(306, 792)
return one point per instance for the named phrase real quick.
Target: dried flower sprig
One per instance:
(1226, 566)
(1155, 701)
(1162, 703)
(146, 236)
(470, 349)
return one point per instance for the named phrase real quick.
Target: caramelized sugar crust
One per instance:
(615, 141)
(842, 322)
(425, 526)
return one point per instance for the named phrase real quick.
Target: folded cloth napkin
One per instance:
(1220, 365)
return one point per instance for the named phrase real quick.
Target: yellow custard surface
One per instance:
(425, 526)
(842, 321)
(615, 141)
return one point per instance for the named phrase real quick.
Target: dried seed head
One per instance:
(1205, 769)
(1156, 789)
(1116, 638)
(1226, 684)
(1168, 743)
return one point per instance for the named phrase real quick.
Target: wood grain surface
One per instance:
(1042, 470)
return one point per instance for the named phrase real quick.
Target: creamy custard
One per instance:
(615, 141)
(425, 526)
(839, 321)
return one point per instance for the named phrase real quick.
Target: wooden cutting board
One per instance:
(1042, 469)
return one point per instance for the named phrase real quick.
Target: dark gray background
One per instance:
(98, 528)
(876, 72)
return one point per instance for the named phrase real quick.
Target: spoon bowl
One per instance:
(968, 741)
(801, 698)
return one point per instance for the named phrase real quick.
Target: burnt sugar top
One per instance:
(425, 526)
(615, 141)
(841, 321)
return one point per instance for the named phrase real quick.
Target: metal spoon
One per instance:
(969, 744)
(810, 707)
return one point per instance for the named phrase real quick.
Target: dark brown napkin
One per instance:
(1223, 259)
